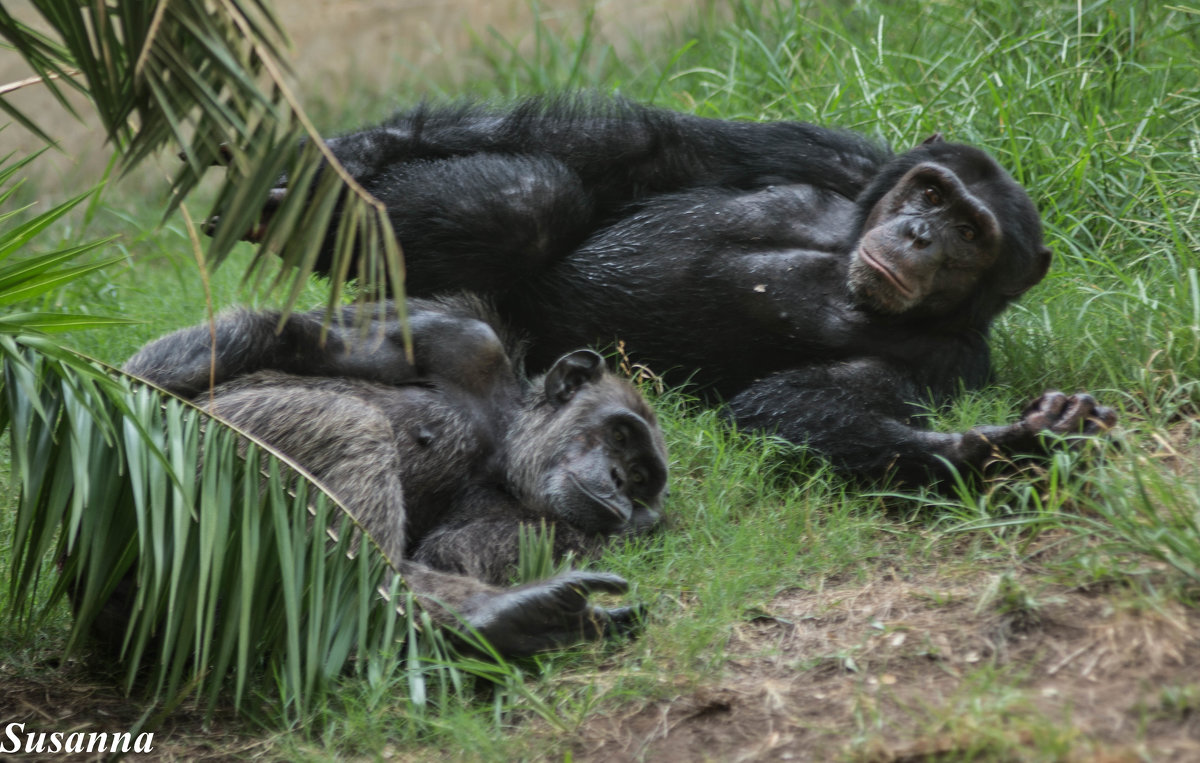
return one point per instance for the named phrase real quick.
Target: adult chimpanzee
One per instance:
(443, 459)
(818, 284)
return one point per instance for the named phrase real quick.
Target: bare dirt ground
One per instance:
(897, 670)
(70, 697)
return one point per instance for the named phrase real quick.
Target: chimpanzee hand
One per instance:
(1052, 413)
(550, 613)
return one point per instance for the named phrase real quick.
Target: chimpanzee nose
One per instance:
(918, 233)
(618, 478)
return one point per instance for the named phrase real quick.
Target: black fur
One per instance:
(796, 272)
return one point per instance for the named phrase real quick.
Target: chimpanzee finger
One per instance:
(624, 621)
(1049, 401)
(1044, 412)
(1074, 417)
(254, 235)
(1099, 421)
(599, 622)
(1106, 416)
(592, 582)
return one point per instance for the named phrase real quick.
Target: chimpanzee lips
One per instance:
(605, 501)
(885, 271)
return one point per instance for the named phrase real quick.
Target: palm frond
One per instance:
(24, 277)
(221, 571)
(209, 78)
(224, 573)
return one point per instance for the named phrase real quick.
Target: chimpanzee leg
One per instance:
(483, 222)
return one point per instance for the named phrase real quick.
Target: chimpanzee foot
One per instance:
(259, 230)
(1060, 414)
(551, 613)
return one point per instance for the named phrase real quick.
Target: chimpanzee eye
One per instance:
(619, 436)
(933, 196)
(638, 477)
(967, 232)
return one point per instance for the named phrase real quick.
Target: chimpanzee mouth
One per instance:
(606, 502)
(885, 271)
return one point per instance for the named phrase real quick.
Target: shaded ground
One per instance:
(69, 697)
(916, 669)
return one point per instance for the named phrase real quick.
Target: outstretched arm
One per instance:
(857, 415)
(619, 148)
(445, 344)
(241, 342)
(482, 198)
(525, 619)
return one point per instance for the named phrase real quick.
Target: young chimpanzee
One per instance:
(820, 286)
(442, 459)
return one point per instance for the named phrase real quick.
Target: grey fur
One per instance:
(444, 457)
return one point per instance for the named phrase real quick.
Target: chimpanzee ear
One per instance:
(571, 372)
(935, 138)
(1037, 271)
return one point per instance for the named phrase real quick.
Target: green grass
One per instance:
(1096, 109)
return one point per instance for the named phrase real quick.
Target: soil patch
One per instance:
(913, 670)
(70, 697)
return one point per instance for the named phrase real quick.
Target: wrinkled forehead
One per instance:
(616, 393)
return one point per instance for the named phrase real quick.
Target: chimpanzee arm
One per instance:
(620, 149)
(858, 414)
(445, 345)
(185, 362)
(454, 546)
(482, 199)
(524, 619)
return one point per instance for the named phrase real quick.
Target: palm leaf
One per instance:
(229, 580)
(218, 567)
(198, 74)
(25, 277)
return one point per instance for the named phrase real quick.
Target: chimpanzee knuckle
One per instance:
(1032, 407)
(595, 582)
(1085, 402)
(1054, 403)
(1072, 421)
(1106, 416)
(1045, 410)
